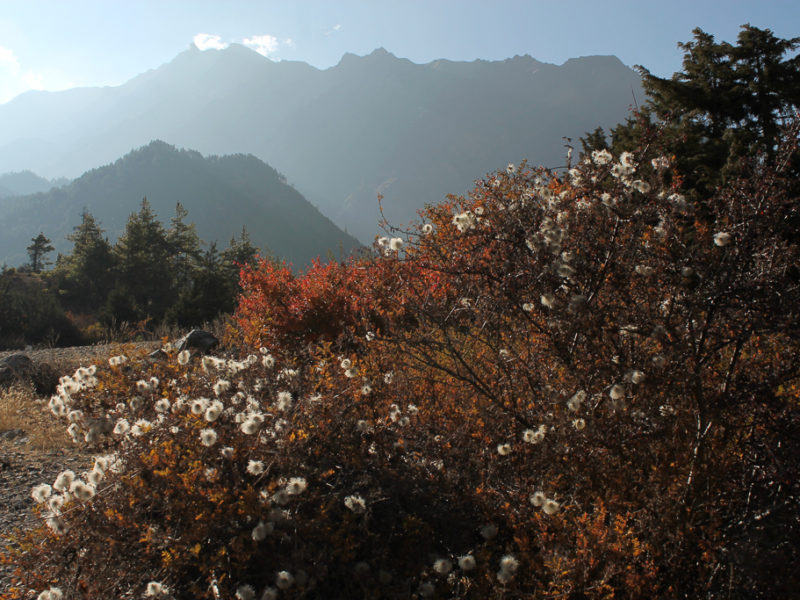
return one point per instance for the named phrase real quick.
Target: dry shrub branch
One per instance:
(565, 385)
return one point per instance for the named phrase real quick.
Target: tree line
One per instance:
(153, 274)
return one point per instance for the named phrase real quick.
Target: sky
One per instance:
(58, 44)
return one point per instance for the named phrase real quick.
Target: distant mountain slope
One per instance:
(25, 182)
(222, 194)
(369, 125)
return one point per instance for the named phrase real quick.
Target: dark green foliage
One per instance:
(84, 277)
(150, 276)
(596, 140)
(38, 252)
(143, 264)
(30, 314)
(184, 246)
(727, 104)
(206, 296)
(214, 289)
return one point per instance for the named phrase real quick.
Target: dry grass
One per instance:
(23, 404)
(22, 408)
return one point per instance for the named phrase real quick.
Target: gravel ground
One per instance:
(80, 355)
(22, 466)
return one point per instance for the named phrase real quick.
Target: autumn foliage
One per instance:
(570, 384)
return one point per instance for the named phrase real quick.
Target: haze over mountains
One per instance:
(372, 124)
(221, 195)
(26, 182)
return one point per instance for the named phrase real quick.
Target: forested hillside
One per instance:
(153, 275)
(222, 194)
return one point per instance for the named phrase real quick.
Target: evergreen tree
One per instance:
(214, 288)
(85, 276)
(144, 266)
(728, 103)
(596, 140)
(209, 295)
(184, 245)
(240, 252)
(38, 251)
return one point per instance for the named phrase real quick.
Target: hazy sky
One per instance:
(55, 44)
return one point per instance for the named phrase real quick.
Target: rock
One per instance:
(14, 366)
(197, 341)
(18, 362)
(10, 434)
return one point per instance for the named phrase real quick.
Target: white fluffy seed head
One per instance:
(466, 562)
(637, 377)
(284, 400)
(262, 530)
(550, 506)
(355, 503)
(504, 449)
(53, 593)
(208, 437)
(509, 563)
(722, 238)
(442, 566)
(255, 467)
(155, 589)
(296, 485)
(41, 493)
(538, 499)
(64, 481)
(284, 580)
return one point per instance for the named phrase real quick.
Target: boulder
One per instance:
(197, 341)
(158, 355)
(14, 366)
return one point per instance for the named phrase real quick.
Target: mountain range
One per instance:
(370, 125)
(26, 182)
(222, 194)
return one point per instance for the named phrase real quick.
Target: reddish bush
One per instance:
(564, 385)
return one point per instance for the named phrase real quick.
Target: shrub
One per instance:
(29, 314)
(563, 385)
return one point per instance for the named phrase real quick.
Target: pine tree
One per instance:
(144, 264)
(208, 296)
(184, 245)
(85, 276)
(240, 252)
(728, 103)
(38, 251)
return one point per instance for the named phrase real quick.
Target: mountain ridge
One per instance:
(340, 135)
(221, 193)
